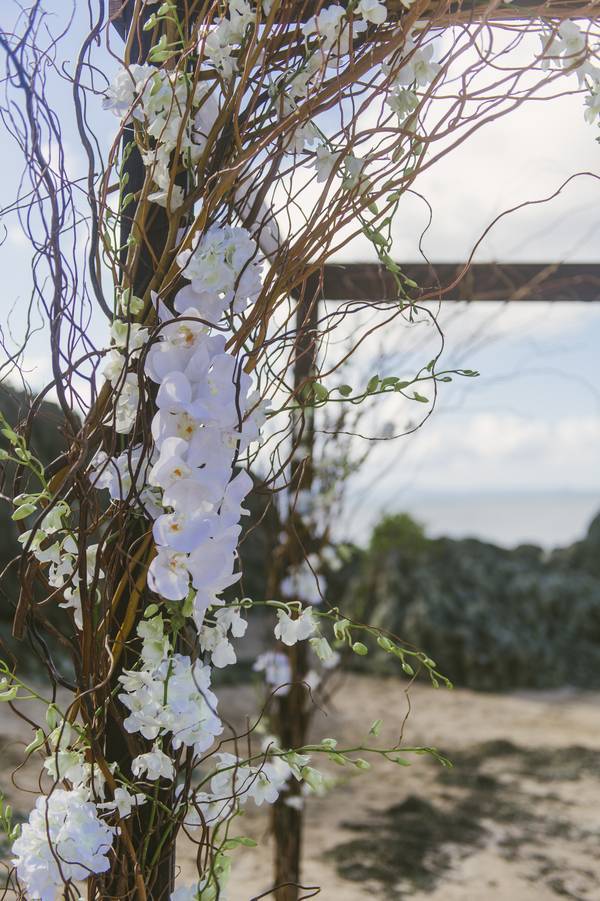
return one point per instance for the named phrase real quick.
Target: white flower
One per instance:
(267, 782)
(68, 765)
(64, 829)
(116, 474)
(417, 66)
(325, 162)
(173, 196)
(304, 584)
(130, 336)
(230, 618)
(183, 532)
(276, 667)
(323, 650)
(171, 465)
(332, 28)
(402, 102)
(592, 101)
(289, 630)
(224, 270)
(314, 779)
(156, 645)
(216, 47)
(113, 365)
(327, 25)
(124, 802)
(353, 169)
(206, 810)
(211, 565)
(223, 654)
(126, 84)
(168, 575)
(373, 11)
(127, 404)
(155, 764)
(173, 697)
(242, 781)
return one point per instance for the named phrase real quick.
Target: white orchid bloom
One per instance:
(289, 631)
(168, 575)
(182, 532)
(372, 11)
(155, 764)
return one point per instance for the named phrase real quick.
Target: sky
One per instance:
(512, 455)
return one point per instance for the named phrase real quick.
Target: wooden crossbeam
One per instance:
(461, 11)
(481, 281)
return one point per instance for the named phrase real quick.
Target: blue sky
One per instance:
(525, 436)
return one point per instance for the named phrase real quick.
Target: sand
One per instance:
(516, 819)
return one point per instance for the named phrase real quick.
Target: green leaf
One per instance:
(359, 648)
(376, 728)
(345, 390)
(420, 397)
(372, 384)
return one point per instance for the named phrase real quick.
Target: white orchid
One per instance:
(291, 630)
(168, 574)
(277, 670)
(64, 839)
(372, 11)
(325, 162)
(154, 764)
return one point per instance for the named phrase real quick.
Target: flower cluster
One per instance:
(417, 70)
(567, 48)
(219, 44)
(127, 340)
(329, 35)
(207, 416)
(173, 115)
(64, 839)
(169, 694)
(54, 544)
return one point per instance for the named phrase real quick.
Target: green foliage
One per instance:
(492, 618)
(398, 533)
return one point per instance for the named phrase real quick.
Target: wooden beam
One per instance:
(481, 281)
(461, 11)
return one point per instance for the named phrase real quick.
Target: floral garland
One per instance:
(208, 413)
